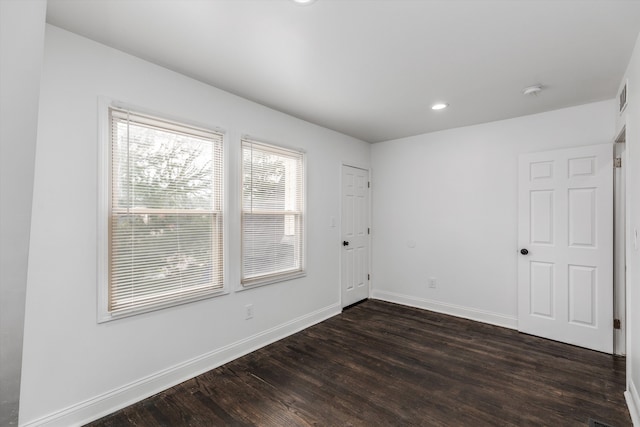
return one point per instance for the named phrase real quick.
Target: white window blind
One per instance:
(272, 213)
(165, 224)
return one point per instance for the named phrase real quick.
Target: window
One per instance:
(165, 225)
(272, 213)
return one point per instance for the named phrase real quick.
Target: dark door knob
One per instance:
(524, 251)
(345, 243)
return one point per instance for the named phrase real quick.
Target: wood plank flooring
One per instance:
(381, 364)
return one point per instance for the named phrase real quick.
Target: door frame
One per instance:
(340, 227)
(621, 243)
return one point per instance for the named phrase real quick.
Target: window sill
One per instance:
(271, 280)
(106, 316)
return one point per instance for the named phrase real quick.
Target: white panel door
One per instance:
(565, 236)
(355, 235)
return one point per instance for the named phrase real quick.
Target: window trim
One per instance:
(270, 279)
(104, 184)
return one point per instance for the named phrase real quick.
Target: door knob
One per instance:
(345, 243)
(524, 251)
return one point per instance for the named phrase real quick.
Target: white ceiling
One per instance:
(373, 68)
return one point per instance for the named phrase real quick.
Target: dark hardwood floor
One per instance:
(381, 364)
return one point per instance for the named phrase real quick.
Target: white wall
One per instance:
(21, 46)
(453, 194)
(631, 117)
(75, 369)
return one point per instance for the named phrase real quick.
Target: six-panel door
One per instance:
(565, 281)
(355, 238)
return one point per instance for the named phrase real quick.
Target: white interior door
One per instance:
(565, 281)
(355, 235)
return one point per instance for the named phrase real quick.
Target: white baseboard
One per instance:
(116, 399)
(633, 403)
(451, 309)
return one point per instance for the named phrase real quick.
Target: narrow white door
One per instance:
(355, 235)
(565, 236)
(619, 252)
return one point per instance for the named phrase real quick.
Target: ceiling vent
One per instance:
(623, 98)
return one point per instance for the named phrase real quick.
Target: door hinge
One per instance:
(617, 162)
(368, 277)
(616, 324)
(368, 184)
(368, 231)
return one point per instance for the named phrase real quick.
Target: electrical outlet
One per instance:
(433, 282)
(248, 311)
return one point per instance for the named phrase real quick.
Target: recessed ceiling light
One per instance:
(532, 90)
(304, 2)
(439, 106)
